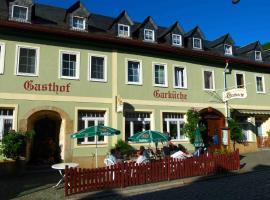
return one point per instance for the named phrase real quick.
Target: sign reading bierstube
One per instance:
(51, 87)
(239, 93)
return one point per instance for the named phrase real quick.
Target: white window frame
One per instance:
(153, 35)
(260, 59)
(77, 76)
(185, 76)
(195, 38)
(143, 120)
(263, 84)
(77, 28)
(235, 76)
(2, 57)
(18, 47)
(121, 34)
(19, 19)
(179, 121)
(90, 65)
(213, 79)
(230, 49)
(180, 39)
(8, 117)
(165, 74)
(140, 71)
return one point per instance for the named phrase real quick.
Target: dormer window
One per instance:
(197, 43)
(123, 30)
(227, 49)
(176, 40)
(19, 13)
(78, 23)
(149, 35)
(258, 55)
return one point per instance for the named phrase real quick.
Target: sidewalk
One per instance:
(250, 162)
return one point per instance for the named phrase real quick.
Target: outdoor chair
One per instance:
(108, 162)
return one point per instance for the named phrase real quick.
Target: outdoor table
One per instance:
(60, 167)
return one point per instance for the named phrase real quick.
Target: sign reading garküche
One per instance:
(238, 93)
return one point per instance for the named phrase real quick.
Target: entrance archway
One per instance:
(45, 147)
(214, 120)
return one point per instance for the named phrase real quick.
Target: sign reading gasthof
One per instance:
(239, 93)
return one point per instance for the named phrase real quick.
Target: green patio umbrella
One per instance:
(95, 131)
(198, 141)
(148, 136)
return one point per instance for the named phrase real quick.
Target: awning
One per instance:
(252, 112)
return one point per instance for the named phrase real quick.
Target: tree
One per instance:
(193, 121)
(237, 135)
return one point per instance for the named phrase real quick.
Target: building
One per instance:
(62, 70)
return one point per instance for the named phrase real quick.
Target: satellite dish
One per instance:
(235, 1)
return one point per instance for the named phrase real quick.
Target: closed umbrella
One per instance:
(95, 131)
(198, 141)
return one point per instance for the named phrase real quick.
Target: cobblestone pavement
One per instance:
(248, 186)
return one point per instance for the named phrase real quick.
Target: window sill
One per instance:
(98, 80)
(69, 78)
(162, 86)
(25, 74)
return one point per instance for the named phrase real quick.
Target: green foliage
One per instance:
(193, 120)
(125, 148)
(14, 144)
(266, 46)
(268, 133)
(236, 133)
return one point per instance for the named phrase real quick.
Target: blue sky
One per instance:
(247, 21)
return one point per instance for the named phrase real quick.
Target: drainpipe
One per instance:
(225, 89)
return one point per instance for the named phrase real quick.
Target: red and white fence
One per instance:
(79, 180)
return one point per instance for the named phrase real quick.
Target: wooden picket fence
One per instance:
(79, 180)
(263, 142)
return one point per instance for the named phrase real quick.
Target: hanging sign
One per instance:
(239, 93)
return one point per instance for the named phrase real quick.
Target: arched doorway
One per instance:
(213, 120)
(45, 147)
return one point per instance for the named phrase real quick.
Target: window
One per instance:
(2, 57)
(90, 118)
(98, 68)
(19, 13)
(173, 124)
(149, 35)
(180, 77)
(208, 80)
(78, 23)
(6, 121)
(136, 122)
(258, 55)
(176, 40)
(123, 30)
(134, 74)
(69, 65)
(240, 80)
(260, 84)
(228, 49)
(27, 61)
(197, 43)
(160, 75)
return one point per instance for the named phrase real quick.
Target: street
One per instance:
(249, 186)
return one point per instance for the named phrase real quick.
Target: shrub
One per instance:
(193, 121)
(14, 143)
(125, 148)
